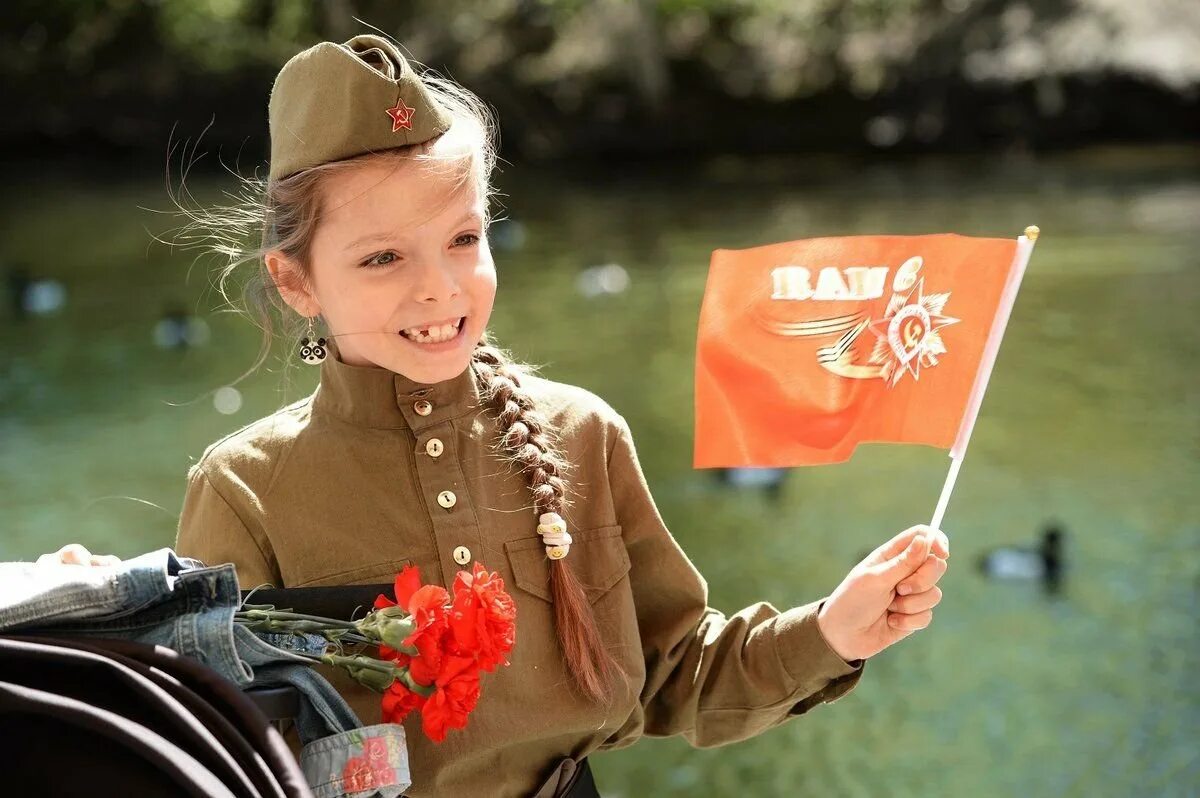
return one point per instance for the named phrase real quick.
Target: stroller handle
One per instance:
(343, 602)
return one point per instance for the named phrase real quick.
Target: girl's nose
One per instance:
(436, 283)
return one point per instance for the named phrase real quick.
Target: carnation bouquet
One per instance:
(432, 645)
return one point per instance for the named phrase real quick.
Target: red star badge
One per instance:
(401, 115)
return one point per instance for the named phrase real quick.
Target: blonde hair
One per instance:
(283, 214)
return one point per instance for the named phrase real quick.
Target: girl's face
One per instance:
(400, 269)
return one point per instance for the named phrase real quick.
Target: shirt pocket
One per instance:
(380, 572)
(597, 557)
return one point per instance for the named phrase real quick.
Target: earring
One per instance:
(312, 349)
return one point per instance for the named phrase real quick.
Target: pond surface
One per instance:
(1092, 422)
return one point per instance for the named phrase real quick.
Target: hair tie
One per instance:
(553, 530)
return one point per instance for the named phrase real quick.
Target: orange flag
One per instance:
(807, 348)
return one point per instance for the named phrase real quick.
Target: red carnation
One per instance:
(428, 608)
(483, 617)
(454, 639)
(398, 701)
(407, 582)
(456, 695)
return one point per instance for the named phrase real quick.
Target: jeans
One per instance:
(161, 599)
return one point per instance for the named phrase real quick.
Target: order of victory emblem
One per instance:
(906, 335)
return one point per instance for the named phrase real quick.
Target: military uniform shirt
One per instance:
(374, 470)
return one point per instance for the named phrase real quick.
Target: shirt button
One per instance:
(434, 447)
(424, 407)
(447, 499)
(462, 555)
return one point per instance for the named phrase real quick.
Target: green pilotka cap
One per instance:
(335, 101)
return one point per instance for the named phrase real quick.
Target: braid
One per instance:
(524, 434)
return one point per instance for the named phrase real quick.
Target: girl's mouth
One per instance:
(435, 336)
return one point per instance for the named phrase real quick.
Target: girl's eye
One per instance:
(382, 259)
(388, 258)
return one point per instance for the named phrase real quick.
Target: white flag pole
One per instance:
(1007, 299)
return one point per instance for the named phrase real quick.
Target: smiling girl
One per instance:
(424, 443)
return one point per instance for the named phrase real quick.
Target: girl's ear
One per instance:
(293, 287)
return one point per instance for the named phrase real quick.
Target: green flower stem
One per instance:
(378, 628)
(419, 689)
(332, 635)
(279, 615)
(359, 661)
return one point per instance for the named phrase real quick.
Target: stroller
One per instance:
(139, 684)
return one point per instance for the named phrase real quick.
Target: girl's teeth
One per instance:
(432, 335)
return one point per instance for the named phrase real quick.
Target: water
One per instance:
(1092, 420)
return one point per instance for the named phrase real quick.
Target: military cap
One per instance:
(335, 101)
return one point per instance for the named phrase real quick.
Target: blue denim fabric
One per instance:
(32, 595)
(371, 761)
(161, 599)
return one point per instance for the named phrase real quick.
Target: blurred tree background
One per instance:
(602, 78)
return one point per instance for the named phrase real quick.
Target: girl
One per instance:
(425, 443)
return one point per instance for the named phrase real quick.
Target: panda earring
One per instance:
(312, 348)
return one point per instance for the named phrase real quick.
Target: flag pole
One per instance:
(1007, 299)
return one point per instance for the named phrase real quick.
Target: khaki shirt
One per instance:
(350, 483)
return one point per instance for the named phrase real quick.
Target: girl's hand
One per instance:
(867, 613)
(76, 554)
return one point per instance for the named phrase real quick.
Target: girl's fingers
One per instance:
(896, 546)
(924, 578)
(77, 554)
(941, 544)
(910, 623)
(917, 602)
(886, 575)
(74, 554)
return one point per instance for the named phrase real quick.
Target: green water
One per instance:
(1092, 419)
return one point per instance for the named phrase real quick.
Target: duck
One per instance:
(1042, 563)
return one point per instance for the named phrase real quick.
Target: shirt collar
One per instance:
(372, 396)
